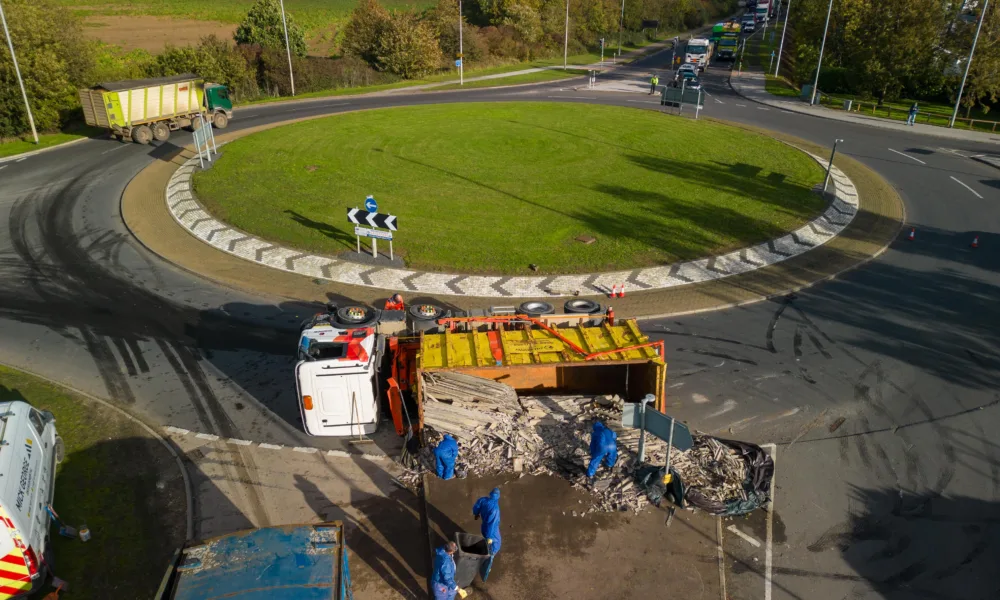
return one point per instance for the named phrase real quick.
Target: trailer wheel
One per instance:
(535, 308)
(425, 312)
(220, 120)
(142, 135)
(161, 132)
(581, 306)
(354, 315)
(195, 124)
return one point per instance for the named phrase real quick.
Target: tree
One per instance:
(54, 59)
(407, 47)
(984, 73)
(213, 59)
(362, 35)
(263, 26)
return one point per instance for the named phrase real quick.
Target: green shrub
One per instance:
(263, 25)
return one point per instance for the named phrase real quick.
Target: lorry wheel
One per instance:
(535, 308)
(220, 120)
(355, 315)
(195, 125)
(161, 132)
(425, 312)
(142, 135)
(59, 450)
(580, 306)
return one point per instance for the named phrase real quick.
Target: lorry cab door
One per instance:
(36, 496)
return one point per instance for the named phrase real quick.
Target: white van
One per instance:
(29, 452)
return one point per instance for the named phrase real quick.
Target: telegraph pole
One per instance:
(819, 63)
(17, 70)
(781, 46)
(566, 39)
(288, 46)
(461, 55)
(621, 25)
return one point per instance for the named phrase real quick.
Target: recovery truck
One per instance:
(698, 52)
(291, 562)
(530, 348)
(146, 109)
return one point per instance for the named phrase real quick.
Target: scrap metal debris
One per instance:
(499, 432)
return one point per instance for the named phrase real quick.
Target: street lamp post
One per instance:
(961, 88)
(621, 26)
(566, 39)
(829, 165)
(822, 47)
(461, 53)
(781, 45)
(17, 70)
(288, 46)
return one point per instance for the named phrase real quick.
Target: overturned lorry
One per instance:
(350, 358)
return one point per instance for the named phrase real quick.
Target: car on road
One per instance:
(748, 25)
(689, 78)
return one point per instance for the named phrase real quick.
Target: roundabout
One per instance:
(491, 189)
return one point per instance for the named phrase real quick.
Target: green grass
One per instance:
(779, 86)
(19, 146)
(311, 14)
(536, 77)
(492, 187)
(123, 484)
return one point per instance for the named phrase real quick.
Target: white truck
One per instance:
(30, 449)
(698, 52)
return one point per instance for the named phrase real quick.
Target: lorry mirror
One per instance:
(307, 402)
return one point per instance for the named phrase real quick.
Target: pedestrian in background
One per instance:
(445, 455)
(443, 579)
(912, 118)
(603, 448)
(488, 507)
(653, 81)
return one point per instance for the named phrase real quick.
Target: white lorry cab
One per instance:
(336, 377)
(29, 452)
(698, 52)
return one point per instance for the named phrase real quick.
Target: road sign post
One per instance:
(374, 222)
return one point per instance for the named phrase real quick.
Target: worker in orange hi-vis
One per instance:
(394, 303)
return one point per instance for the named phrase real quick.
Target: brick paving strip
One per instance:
(876, 221)
(191, 215)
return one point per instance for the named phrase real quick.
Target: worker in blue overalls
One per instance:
(443, 579)
(603, 448)
(488, 507)
(444, 457)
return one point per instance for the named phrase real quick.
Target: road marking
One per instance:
(574, 97)
(722, 560)
(305, 450)
(113, 149)
(644, 101)
(727, 406)
(270, 446)
(907, 156)
(963, 184)
(4, 166)
(742, 105)
(178, 430)
(762, 108)
(768, 553)
(206, 436)
(21, 159)
(746, 538)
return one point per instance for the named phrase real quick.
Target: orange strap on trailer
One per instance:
(396, 405)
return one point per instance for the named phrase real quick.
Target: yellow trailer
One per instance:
(147, 109)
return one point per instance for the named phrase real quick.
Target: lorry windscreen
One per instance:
(697, 49)
(325, 351)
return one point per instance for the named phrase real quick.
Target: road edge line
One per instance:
(24, 155)
(722, 559)
(768, 551)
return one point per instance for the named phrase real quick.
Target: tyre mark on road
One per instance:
(773, 324)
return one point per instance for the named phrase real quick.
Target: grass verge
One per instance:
(493, 187)
(119, 481)
(46, 140)
(536, 77)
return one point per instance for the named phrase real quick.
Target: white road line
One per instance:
(178, 430)
(3, 166)
(206, 436)
(574, 97)
(963, 184)
(907, 156)
(239, 442)
(746, 538)
(21, 159)
(742, 105)
(768, 553)
(762, 108)
(722, 560)
(644, 101)
(270, 446)
(113, 149)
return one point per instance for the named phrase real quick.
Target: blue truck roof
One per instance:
(297, 562)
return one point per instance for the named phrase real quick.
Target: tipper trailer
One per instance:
(364, 351)
(146, 109)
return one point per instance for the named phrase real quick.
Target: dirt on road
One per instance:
(151, 33)
(549, 553)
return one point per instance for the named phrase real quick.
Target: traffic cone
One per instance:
(975, 242)
(913, 234)
(614, 291)
(621, 291)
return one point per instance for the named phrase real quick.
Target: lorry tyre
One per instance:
(536, 308)
(581, 306)
(195, 125)
(355, 315)
(142, 135)
(425, 312)
(220, 120)
(161, 132)
(59, 450)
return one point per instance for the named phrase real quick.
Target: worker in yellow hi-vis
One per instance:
(653, 81)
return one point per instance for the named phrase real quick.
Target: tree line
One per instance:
(375, 46)
(892, 49)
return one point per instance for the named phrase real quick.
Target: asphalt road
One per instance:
(899, 500)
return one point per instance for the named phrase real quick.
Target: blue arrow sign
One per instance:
(458, 63)
(370, 204)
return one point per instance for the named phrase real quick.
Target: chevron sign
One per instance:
(363, 217)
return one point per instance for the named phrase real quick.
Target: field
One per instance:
(493, 188)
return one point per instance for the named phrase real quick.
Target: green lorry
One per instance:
(146, 109)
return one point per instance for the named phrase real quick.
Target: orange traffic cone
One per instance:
(913, 234)
(614, 291)
(975, 242)
(621, 291)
